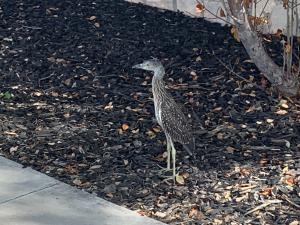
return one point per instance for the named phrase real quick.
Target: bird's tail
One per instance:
(190, 147)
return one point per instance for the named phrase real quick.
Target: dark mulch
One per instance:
(79, 112)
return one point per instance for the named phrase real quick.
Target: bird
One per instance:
(169, 114)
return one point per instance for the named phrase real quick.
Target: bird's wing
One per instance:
(176, 125)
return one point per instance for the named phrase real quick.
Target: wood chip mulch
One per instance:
(72, 108)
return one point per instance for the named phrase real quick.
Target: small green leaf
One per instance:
(179, 179)
(6, 95)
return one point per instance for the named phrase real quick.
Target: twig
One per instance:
(272, 148)
(284, 197)
(218, 17)
(264, 205)
(230, 70)
(32, 27)
(45, 78)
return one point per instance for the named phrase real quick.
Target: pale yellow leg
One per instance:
(174, 161)
(169, 154)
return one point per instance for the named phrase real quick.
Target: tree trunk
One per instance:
(288, 85)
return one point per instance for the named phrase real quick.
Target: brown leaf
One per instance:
(234, 31)
(54, 94)
(266, 191)
(287, 48)
(264, 82)
(110, 195)
(285, 3)
(156, 129)
(222, 13)
(278, 33)
(185, 175)
(151, 134)
(247, 3)
(289, 180)
(196, 214)
(230, 149)
(255, 20)
(200, 7)
(245, 171)
(194, 75)
(77, 182)
(67, 82)
(125, 126)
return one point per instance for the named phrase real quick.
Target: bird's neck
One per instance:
(158, 84)
(159, 73)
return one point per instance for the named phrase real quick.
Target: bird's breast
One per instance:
(157, 109)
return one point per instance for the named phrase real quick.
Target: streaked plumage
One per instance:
(168, 113)
(170, 116)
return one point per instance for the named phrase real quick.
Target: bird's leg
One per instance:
(169, 153)
(174, 161)
(172, 152)
(162, 169)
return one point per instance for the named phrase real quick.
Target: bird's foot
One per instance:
(163, 170)
(169, 178)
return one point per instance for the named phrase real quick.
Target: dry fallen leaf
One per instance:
(110, 195)
(151, 134)
(200, 7)
(222, 13)
(196, 214)
(156, 129)
(287, 48)
(285, 3)
(160, 214)
(185, 175)
(135, 131)
(230, 149)
(54, 94)
(289, 180)
(194, 75)
(125, 161)
(245, 171)
(247, 3)
(278, 33)
(234, 31)
(13, 149)
(179, 179)
(92, 18)
(125, 126)
(281, 112)
(283, 104)
(77, 182)
(109, 106)
(266, 191)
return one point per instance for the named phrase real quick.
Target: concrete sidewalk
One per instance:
(28, 197)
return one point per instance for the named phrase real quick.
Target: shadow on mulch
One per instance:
(81, 114)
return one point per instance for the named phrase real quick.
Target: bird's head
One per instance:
(150, 65)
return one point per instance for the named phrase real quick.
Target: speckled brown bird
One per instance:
(168, 113)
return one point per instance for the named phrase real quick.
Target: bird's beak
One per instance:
(137, 66)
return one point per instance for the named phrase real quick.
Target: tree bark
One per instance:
(288, 85)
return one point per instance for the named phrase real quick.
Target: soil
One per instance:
(73, 108)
